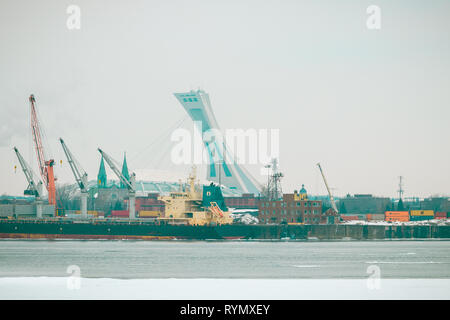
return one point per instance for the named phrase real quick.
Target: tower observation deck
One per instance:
(221, 167)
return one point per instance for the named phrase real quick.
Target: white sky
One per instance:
(369, 105)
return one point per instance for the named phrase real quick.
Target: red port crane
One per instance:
(45, 166)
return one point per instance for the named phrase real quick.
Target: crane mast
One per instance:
(33, 187)
(80, 175)
(130, 184)
(333, 204)
(45, 166)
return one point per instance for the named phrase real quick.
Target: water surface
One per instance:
(246, 260)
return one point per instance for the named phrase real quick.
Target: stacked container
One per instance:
(396, 216)
(120, 213)
(420, 215)
(440, 215)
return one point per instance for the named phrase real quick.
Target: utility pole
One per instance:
(267, 166)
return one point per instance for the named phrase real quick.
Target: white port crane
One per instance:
(333, 204)
(80, 176)
(34, 188)
(129, 183)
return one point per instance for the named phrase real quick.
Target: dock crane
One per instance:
(80, 176)
(34, 188)
(45, 166)
(129, 183)
(333, 204)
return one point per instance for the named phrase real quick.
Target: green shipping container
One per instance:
(421, 218)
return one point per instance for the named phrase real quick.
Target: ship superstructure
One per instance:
(197, 206)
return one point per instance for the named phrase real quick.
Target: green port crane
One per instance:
(81, 178)
(34, 188)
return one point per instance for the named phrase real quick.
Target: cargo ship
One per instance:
(194, 213)
(117, 229)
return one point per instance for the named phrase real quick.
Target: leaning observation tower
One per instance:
(226, 172)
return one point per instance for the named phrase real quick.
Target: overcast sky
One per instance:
(370, 105)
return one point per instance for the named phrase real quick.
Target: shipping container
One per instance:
(396, 213)
(429, 213)
(396, 216)
(148, 213)
(349, 218)
(120, 213)
(440, 214)
(421, 218)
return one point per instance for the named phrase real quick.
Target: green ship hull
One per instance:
(144, 230)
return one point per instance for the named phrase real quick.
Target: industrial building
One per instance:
(294, 208)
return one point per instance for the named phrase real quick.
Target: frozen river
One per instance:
(224, 270)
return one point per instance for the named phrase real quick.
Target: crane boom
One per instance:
(45, 166)
(36, 133)
(129, 183)
(333, 204)
(80, 176)
(78, 172)
(33, 187)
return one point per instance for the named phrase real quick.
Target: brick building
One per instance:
(293, 208)
(246, 201)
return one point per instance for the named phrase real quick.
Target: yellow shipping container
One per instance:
(146, 213)
(428, 213)
(90, 212)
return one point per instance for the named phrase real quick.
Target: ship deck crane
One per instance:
(129, 183)
(34, 188)
(333, 204)
(80, 176)
(45, 166)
